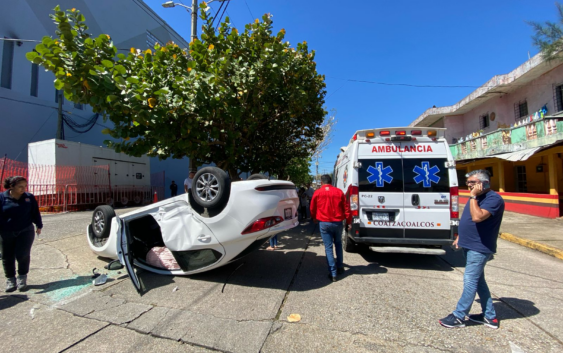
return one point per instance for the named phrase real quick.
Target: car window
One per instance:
(195, 259)
(426, 175)
(381, 175)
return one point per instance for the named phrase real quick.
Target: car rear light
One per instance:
(400, 133)
(416, 132)
(353, 199)
(262, 223)
(454, 202)
(384, 133)
(370, 134)
(431, 133)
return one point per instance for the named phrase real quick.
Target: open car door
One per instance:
(126, 257)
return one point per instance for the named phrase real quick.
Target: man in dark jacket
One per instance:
(478, 232)
(329, 209)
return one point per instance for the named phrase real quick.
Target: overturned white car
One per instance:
(219, 222)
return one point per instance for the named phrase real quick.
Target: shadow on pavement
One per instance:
(513, 308)
(7, 301)
(412, 261)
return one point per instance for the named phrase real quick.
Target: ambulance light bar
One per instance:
(384, 133)
(370, 134)
(400, 133)
(416, 132)
(431, 133)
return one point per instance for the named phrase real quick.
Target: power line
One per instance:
(248, 7)
(217, 15)
(223, 12)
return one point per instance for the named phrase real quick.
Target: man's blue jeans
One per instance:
(474, 283)
(331, 232)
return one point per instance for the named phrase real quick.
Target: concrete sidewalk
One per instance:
(538, 233)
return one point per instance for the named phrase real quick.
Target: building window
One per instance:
(7, 64)
(79, 106)
(57, 97)
(520, 176)
(558, 97)
(484, 121)
(34, 80)
(520, 109)
(151, 40)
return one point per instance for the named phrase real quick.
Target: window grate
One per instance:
(151, 40)
(484, 121)
(520, 174)
(520, 109)
(558, 97)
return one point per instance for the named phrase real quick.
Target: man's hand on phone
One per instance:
(476, 190)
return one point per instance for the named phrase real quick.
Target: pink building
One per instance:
(513, 127)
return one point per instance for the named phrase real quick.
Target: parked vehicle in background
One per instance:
(402, 189)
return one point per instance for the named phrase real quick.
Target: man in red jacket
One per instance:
(329, 209)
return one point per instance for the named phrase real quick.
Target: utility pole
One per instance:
(60, 120)
(194, 20)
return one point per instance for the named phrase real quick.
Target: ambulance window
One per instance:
(426, 175)
(380, 175)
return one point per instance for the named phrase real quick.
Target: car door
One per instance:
(380, 190)
(126, 257)
(427, 190)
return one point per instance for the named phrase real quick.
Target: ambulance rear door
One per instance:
(380, 190)
(427, 190)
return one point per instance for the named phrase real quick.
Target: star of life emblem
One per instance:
(379, 174)
(426, 175)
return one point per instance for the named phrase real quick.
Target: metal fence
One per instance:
(73, 188)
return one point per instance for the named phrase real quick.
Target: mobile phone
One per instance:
(486, 185)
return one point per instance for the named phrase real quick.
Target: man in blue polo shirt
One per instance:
(478, 232)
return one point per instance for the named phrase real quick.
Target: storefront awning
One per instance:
(521, 155)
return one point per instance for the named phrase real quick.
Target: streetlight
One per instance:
(192, 9)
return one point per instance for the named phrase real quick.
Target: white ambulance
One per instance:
(402, 189)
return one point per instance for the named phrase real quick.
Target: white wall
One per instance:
(25, 119)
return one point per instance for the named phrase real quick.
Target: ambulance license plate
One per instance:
(380, 216)
(288, 213)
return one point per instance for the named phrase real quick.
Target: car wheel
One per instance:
(257, 177)
(348, 244)
(101, 221)
(211, 188)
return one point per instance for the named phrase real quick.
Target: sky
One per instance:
(432, 42)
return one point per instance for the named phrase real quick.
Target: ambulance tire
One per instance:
(101, 221)
(348, 244)
(211, 188)
(257, 177)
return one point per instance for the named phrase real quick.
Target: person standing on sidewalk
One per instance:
(329, 210)
(188, 183)
(18, 210)
(478, 232)
(173, 189)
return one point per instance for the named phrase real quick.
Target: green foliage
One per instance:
(298, 171)
(245, 101)
(548, 37)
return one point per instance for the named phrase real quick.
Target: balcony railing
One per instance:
(533, 134)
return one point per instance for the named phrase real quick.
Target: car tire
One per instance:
(257, 177)
(101, 221)
(348, 244)
(211, 188)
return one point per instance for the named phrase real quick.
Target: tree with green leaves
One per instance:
(244, 101)
(548, 37)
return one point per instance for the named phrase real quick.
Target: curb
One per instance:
(546, 249)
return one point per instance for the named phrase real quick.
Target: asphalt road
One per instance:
(383, 302)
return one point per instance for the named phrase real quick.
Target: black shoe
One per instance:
(332, 278)
(480, 318)
(451, 321)
(340, 270)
